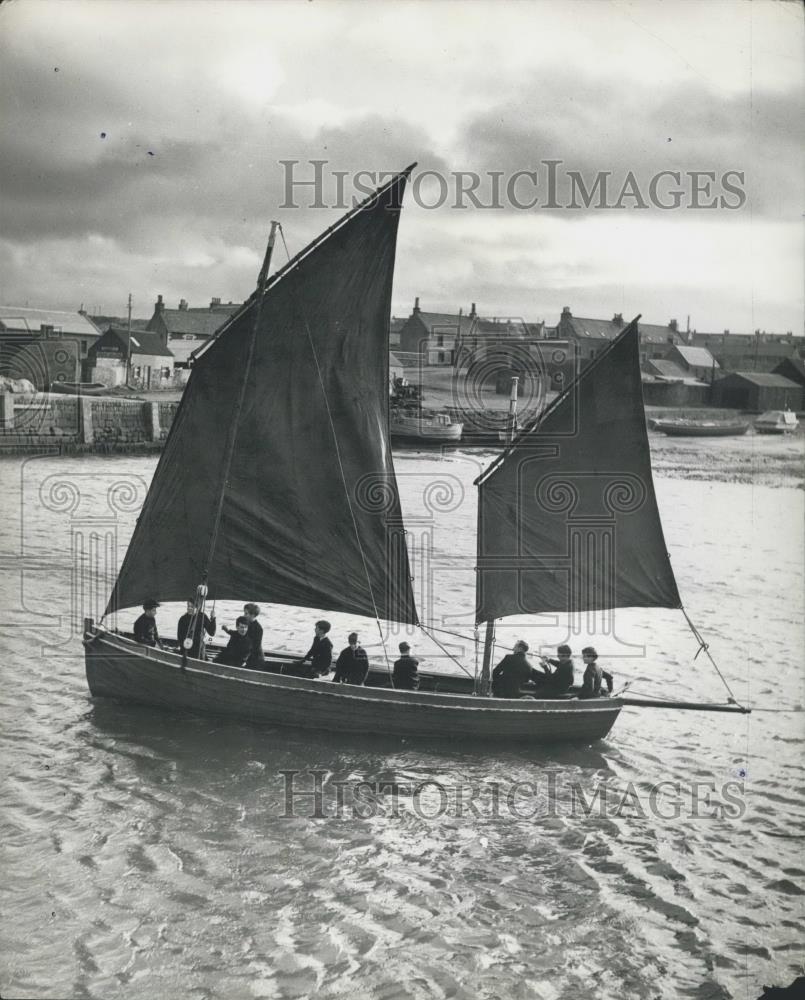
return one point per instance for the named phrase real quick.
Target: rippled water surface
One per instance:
(148, 854)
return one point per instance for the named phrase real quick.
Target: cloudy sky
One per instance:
(142, 148)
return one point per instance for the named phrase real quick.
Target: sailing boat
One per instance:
(277, 484)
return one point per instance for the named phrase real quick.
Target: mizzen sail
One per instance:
(568, 520)
(311, 513)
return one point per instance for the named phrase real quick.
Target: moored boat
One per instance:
(777, 422)
(700, 428)
(79, 388)
(424, 426)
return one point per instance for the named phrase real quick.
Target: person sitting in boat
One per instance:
(405, 676)
(256, 657)
(201, 625)
(352, 665)
(145, 628)
(594, 675)
(319, 657)
(239, 647)
(514, 677)
(561, 677)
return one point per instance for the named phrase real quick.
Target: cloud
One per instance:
(198, 104)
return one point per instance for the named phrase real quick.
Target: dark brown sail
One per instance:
(311, 514)
(568, 520)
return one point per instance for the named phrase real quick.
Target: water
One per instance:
(147, 854)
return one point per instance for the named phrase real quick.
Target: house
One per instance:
(139, 358)
(758, 352)
(432, 337)
(395, 328)
(591, 336)
(695, 362)
(185, 329)
(757, 391)
(792, 368)
(44, 345)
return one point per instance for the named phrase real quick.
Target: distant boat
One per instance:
(777, 422)
(80, 388)
(682, 427)
(423, 426)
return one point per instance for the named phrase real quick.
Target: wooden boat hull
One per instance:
(700, 430)
(121, 669)
(421, 429)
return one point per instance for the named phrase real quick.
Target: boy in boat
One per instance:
(256, 657)
(352, 664)
(561, 678)
(202, 624)
(145, 628)
(318, 658)
(514, 677)
(406, 675)
(239, 647)
(593, 675)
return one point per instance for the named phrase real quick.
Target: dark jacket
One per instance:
(183, 626)
(146, 632)
(352, 666)
(237, 650)
(255, 634)
(511, 674)
(591, 682)
(406, 674)
(561, 680)
(321, 656)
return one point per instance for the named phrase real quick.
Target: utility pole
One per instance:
(128, 346)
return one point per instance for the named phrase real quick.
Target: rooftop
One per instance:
(23, 319)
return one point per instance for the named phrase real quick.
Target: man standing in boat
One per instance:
(513, 675)
(319, 657)
(406, 673)
(201, 625)
(352, 664)
(145, 628)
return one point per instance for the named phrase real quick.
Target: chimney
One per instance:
(215, 302)
(726, 333)
(159, 306)
(566, 311)
(472, 311)
(673, 326)
(416, 304)
(183, 305)
(617, 319)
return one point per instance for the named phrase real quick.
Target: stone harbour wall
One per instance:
(46, 422)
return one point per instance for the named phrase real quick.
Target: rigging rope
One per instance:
(340, 464)
(705, 648)
(445, 651)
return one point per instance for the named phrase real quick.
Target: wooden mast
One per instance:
(489, 638)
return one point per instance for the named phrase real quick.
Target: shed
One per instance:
(757, 391)
(150, 362)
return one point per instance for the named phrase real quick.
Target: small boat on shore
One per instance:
(424, 426)
(682, 427)
(777, 422)
(79, 388)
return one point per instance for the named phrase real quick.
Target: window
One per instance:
(83, 348)
(441, 356)
(440, 340)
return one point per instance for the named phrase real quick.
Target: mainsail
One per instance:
(311, 513)
(568, 520)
